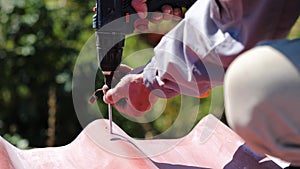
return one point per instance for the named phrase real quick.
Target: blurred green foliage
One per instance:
(295, 32)
(17, 140)
(39, 42)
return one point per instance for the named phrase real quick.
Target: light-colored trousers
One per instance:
(262, 99)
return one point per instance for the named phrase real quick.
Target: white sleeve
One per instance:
(193, 57)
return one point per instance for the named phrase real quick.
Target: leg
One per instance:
(262, 101)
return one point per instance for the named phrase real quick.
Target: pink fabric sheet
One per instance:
(210, 144)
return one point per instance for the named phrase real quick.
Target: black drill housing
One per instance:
(110, 39)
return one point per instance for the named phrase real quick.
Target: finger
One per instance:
(123, 70)
(120, 72)
(124, 67)
(156, 17)
(141, 8)
(112, 96)
(139, 96)
(121, 90)
(107, 98)
(133, 112)
(141, 25)
(127, 108)
(105, 89)
(152, 99)
(167, 12)
(177, 14)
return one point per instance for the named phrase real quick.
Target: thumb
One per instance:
(119, 92)
(141, 7)
(112, 96)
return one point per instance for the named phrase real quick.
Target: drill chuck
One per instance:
(109, 51)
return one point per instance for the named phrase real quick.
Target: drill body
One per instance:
(110, 38)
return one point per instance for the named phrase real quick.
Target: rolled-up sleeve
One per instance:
(193, 56)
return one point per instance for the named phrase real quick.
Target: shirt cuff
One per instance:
(154, 84)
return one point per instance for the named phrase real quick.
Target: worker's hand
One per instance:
(130, 96)
(166, 13)
(119, 73)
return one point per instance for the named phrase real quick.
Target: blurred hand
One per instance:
(130, 96)
(166, 13)
(119, 73)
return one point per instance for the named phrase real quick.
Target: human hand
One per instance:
(166, 13)
(130, 96)
(119, 73)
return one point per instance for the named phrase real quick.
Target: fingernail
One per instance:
(141, 25)
(142, 15)
(142, 28)
(156, 17)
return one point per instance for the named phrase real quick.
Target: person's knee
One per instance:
(262, 96)
(241, 85)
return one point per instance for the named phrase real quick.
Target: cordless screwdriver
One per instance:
(113, 21)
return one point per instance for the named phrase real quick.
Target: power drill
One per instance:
(109, 54)
(110, 34)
